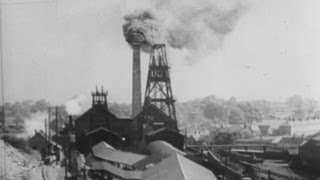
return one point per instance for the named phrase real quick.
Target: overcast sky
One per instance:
(58, 49)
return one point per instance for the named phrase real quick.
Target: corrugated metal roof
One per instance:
(124, 174)
(159, 150)
(148, 161)
(163, 148)
(108, 153)
(177, 167)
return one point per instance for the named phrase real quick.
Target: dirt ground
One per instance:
(17, 165)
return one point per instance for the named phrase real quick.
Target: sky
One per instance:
(56, 49)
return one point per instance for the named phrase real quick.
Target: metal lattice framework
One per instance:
(158, 89)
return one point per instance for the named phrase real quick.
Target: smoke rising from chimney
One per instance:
(198, 26)
(141, 27)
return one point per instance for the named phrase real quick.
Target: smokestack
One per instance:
(136, 39)
(136, 80)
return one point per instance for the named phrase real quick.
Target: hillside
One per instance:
(18, 164)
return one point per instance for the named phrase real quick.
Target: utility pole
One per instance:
(46, 135)
(49, 119)
(57, 114)
(57, 150)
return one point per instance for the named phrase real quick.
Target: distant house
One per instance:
(305, 127)
(13, 125)
(264, 129)
(39, 141)
(309, 153)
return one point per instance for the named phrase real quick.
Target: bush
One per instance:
(18, 143)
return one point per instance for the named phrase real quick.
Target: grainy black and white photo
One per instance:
(159, 90)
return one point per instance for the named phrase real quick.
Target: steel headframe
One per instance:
(158, 88)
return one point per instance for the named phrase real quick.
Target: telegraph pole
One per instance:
(49, 119)
(57, 114)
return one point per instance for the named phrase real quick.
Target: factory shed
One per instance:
(100, 116)
(99, 124)
(172, 137)
(91, 138)
(39, 141)
(309, 153)
(154, 119)
(107, 161)
(291, 142)
(119, 173)
(179, 168)
(96, 116)
(106, 152)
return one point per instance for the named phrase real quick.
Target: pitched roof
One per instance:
(163, 148)
(159, 150)
(106, 152)
(179, 168)
(124, 174)
(42, 135)
(101, 129)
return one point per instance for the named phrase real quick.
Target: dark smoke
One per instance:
(142, 22)
(198, 26)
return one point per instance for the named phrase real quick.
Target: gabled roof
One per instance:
(123, 174)
(42, 135)
(163, 148)
(101, 129)
(291, 141)
(97, 109)
(159, 150)
(106, 152)
(177, 167)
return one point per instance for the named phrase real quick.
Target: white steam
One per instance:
(77, 104)
(35, 122)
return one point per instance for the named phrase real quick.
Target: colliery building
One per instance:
(98, 124)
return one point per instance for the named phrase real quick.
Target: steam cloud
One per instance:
(77, 105)
(199, 26)
(35, 122)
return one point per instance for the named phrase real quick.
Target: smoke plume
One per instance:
(35, 122)
(143, 23)
(77, 105)
(198, 26)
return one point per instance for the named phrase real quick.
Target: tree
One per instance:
(295, 101)
(214, 112)
(311, 106)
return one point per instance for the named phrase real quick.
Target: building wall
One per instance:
(175, 139)
(303, 127)
(310, 154)
(37, 142)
